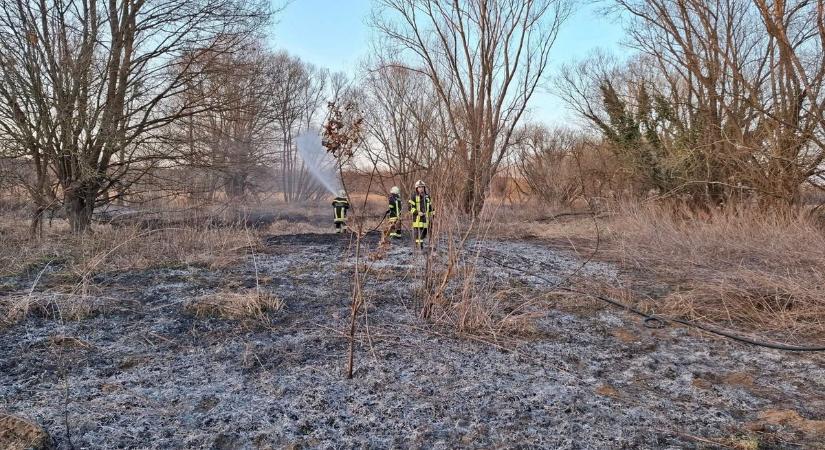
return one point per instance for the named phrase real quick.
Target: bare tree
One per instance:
(401, 113)
(795, 113)
(237, 137)
(300, 96)
(87, 85)
(485, 59)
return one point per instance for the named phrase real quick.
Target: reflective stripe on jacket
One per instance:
(421, 203)
(340, 205)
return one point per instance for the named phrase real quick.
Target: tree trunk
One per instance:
(472, 196)
(36, 227)
(235, 186)
(79, 205)
(474, 189)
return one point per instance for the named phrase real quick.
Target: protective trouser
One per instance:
(340, 206)
(395, 228)
(420, 236)
(393, 216)
(421, 208)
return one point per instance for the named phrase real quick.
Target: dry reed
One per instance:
(751, 269)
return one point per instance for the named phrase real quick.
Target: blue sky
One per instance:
(335, 34)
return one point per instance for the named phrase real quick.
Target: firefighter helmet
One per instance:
(342, 193)
(395, 190)
(420, 183)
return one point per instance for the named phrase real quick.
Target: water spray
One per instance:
(320, 163)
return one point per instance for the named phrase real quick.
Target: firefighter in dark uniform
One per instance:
(340, 205)
(394, 213)
(422, 211)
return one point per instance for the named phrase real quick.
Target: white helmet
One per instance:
(420, 183)
(342, 193)
(395, 190)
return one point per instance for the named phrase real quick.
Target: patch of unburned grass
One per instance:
(17, 433)
(109, 248)
(252, 305)
(578, 230)
(755, 270)
(55, 306)
(746, 268)
(491, 314)
(285, 227)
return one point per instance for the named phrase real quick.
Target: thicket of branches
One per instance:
(125, 101)
(484, 60)
(722, 101)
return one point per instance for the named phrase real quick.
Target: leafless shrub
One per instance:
(456, 291)
(560, 166)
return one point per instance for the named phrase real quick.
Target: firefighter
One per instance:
(394, 213)
(340, 205)
(422, 211)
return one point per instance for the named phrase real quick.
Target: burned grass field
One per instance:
(250, 351)
(633, 260)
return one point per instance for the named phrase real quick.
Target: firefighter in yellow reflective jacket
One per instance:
(340, 205)
(394, 213)
(422, 211)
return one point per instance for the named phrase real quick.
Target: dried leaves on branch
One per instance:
(343, 129)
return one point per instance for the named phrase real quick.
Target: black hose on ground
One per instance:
(652, 321)
(379, 223)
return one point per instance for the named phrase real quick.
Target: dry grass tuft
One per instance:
(250, 305)
(747, 268)
(55, 306)
(489, 312)
(17, 433)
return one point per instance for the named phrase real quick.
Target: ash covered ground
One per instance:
(146, 373)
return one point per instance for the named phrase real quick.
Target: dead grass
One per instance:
(750, 269)
(457, 296)
(486, 311)
(70, 262)
(113, 249)
(17, 433)
(743, 268)
(52, 305)
(570, 228)
(250, 305)
(282, 227)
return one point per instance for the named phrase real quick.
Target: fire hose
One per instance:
(379, 223)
